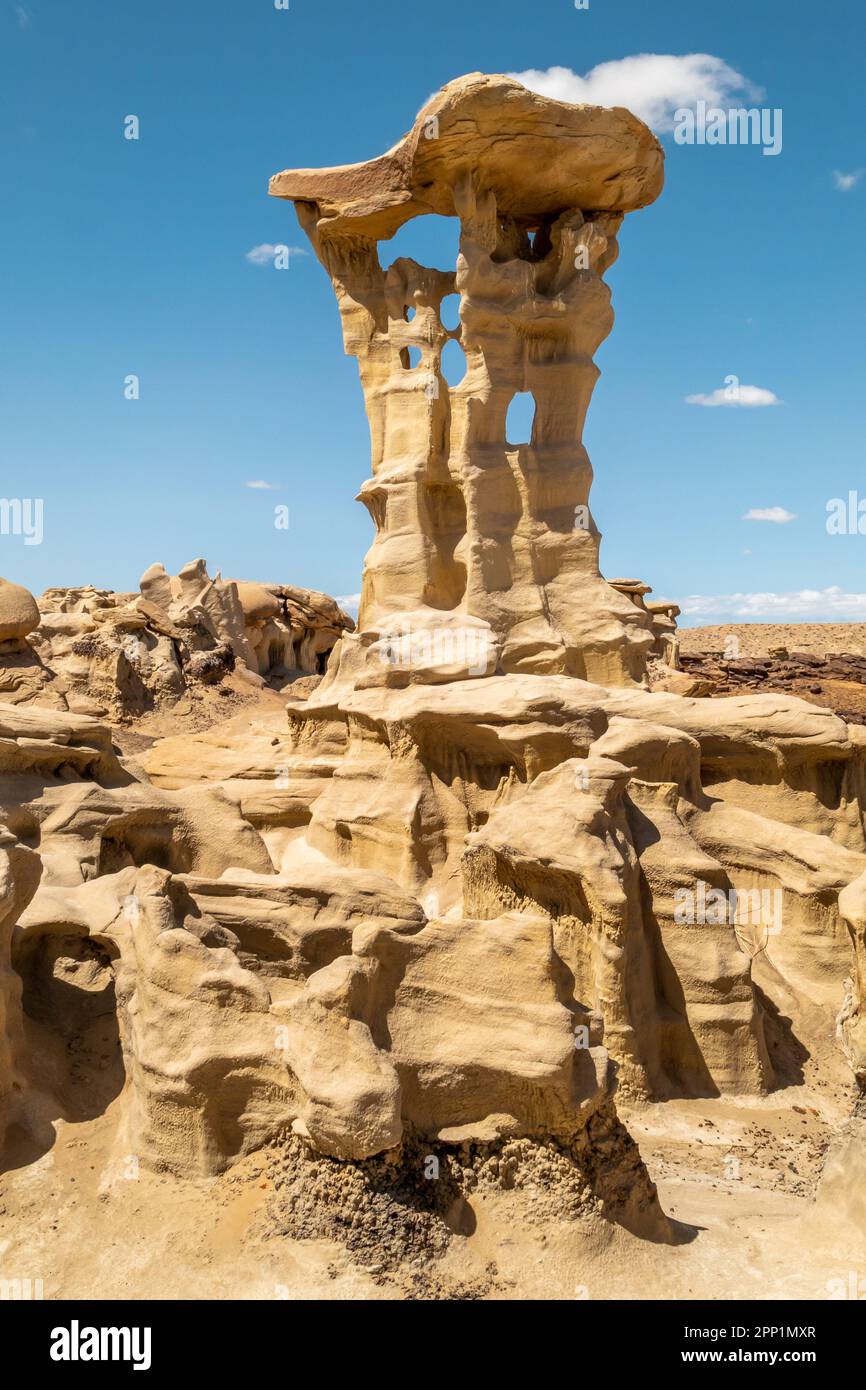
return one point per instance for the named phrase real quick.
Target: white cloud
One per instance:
(822, 604)
(23, 16)
(263, 486)
(845, 182)
(744, 397)
(652, 85)
(266, 253)
(776, 514)
(350, 603)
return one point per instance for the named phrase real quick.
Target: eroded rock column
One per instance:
(474, 531)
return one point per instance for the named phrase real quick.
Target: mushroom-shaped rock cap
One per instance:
(19, 613)
(538, 156)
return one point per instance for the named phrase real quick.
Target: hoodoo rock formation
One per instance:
(483, 879)
(493, 539)
(515, 762)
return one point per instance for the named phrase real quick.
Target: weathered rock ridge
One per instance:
(93, 651)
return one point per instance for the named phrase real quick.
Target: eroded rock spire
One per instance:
(472, 529)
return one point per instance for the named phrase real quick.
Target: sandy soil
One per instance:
(199, 709)
(756, 639)
(737, 1176)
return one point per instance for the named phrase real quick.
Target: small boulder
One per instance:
(19, 613)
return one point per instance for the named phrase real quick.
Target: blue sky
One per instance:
(130, 257)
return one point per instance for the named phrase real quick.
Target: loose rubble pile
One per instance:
(403, 1207)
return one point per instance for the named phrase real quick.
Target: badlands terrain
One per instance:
(502, 946)
(753, 1213)
(824, 663)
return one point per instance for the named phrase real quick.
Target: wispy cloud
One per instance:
(266, 254)
(744, 397)
(262, 486)
(821, 604)
(775, 514)
(350, 604)
(845, 182)
(24, 16)
(652, 85)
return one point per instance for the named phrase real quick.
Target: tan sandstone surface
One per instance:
(496, 963)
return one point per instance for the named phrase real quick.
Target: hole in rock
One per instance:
(431, 239)
(446, 508)
(322, 661)
(539, 241)
(23, 824)
(162, 844)
(520, 419)
(410, 357)
(69, 1001)
(277, 656)
(453, 363)
(409, 312)
(449, 312)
